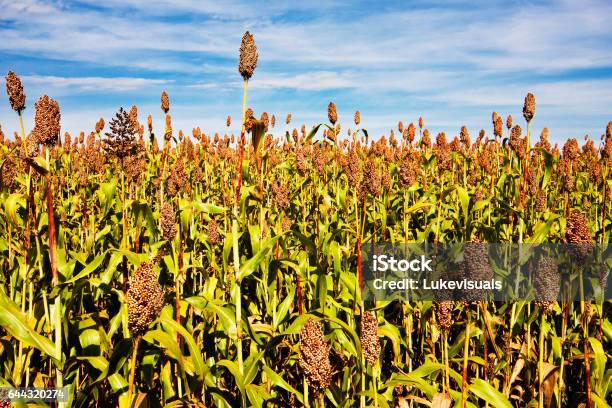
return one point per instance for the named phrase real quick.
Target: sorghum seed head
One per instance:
(509, 122)
(547, 282)
(314, 356)
(357, 118)
(167, 222)
(400, 126)
(265, 119)
(444, 313)
(421, 122)
(498, 125)
(541, 201)
(213, 232)
(288, 119)
(228, 121)
(248, 56)
(280, 196)
(47, 121)
(426, 140)
(370, 343)
(134, 116)
(465, 137)
(476, 267)
(273, 121)
(14, 89)
(372, 178)
(571, 149)
(529, 107)
(145, 298)
(165, 102)
(332, 114)
(609, 130)
(411, 132)
(578, 235)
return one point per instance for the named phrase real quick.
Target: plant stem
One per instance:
(466, 343)
(133, 369)
(541, 360)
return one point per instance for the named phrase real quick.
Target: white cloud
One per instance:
(93, 84)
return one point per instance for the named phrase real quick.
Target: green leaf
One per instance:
(278, 381)
(252, 264)
(485, 391)
(14, 322)
(194, 350)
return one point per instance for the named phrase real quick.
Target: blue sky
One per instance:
(451, 62)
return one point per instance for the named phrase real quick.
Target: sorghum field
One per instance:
(146, 266)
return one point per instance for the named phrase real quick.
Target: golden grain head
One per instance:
(14, 90)
(47, 121)
(529, 107)
(248, 56)
(165, 102)
(332, 113)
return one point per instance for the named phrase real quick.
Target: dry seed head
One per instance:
(571, 149)
(421, 122)
(178, 179)
(134, 116)
(407, 173)
(578, 235)
(47, 121)
(288, 119)
(400, 126)
(577, 229)
(9, 171)
(145, 298)
(15, 92)
(265, 119)
(167, 222)
(609, 130)
(280, 196)
(444, 313)
(426, 140)
(120, 141)
(248, 56)
(498, 125)
(509, 122)
(465, 137)
(529, 107)
(370, 343)
(476, 267)
(165, 102)
(213, 232)
(411, 132)
(1, 135)
(372, 178)
(228, 121)
(332, 114)
(541, 201)
(273, 121)
(515, 138)
(314, 356)
(357, 118)
(547, 282)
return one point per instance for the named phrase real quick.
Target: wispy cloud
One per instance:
(93, 84)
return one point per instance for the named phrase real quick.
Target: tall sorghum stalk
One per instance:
(466, 343)
(246, 67)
